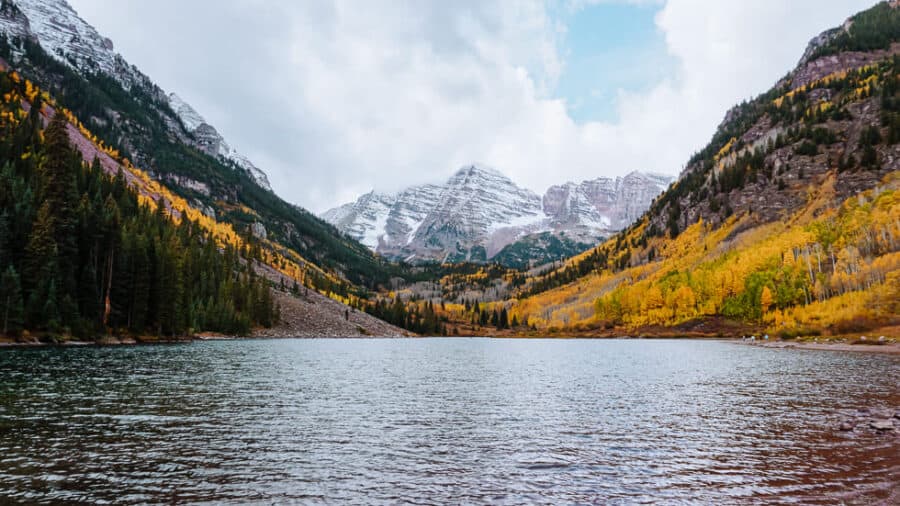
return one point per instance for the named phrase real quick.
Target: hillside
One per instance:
(480, 215)
(787, 221)
(134, 117)
(195, 185)
(82, 252)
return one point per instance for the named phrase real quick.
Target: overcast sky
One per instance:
(334, 98)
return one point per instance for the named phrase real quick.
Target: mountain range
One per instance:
(133, 134)
(479, 214)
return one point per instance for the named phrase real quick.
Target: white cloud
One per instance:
(333, 98)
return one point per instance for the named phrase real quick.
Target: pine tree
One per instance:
(89, 296)
(41, 252)
(60, 194)
(50, 310)
(11, 306)
(140, 288)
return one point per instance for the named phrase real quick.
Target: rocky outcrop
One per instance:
(188, 183)
(259, 230)
(14, 22)
(478, 212)
(67, 37)
(828, 65)
(813, 65)
(602, 204)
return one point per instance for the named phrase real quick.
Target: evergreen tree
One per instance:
(11, 306)
(59, 193)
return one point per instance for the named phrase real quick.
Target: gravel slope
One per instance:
(315, 315)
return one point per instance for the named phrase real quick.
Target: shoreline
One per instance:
(889, 348)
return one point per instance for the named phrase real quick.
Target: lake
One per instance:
(445, 421)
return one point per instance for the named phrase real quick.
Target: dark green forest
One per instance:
(80, 256)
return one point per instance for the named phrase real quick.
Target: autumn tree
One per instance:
(766, 300)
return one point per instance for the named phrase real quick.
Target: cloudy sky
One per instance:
(334, 98)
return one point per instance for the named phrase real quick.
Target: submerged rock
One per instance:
(886, 424)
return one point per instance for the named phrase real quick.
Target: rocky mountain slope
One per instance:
(56, 26)
(788, 221)
(49, 44)
(480, 214)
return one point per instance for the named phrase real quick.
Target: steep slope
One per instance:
(135, 118)
(64, 35)
(789, 219)
(480, 215)
(602, 204)
(84, 253)
(128, 257)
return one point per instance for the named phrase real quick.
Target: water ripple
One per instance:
(444, 421)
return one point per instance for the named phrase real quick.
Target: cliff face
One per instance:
(478, 212)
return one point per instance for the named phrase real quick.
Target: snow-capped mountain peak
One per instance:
(69, 38)
(478, 211)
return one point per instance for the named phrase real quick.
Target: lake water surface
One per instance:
(444, 421)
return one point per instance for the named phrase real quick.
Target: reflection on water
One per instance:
(444, 421)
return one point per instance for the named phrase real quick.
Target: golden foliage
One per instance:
(820, 267)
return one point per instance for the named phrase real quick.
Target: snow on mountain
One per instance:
(13, 22)
(63, 34)
(603, 203)
(478, 211)
(212, 142)
(366, 219)
(191, 118)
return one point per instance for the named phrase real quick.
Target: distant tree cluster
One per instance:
(421, 320)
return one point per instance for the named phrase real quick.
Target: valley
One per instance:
(785, 223)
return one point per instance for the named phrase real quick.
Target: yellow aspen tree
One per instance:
(766, 300)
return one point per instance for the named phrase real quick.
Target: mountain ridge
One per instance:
(479, 211)
(69, 38)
